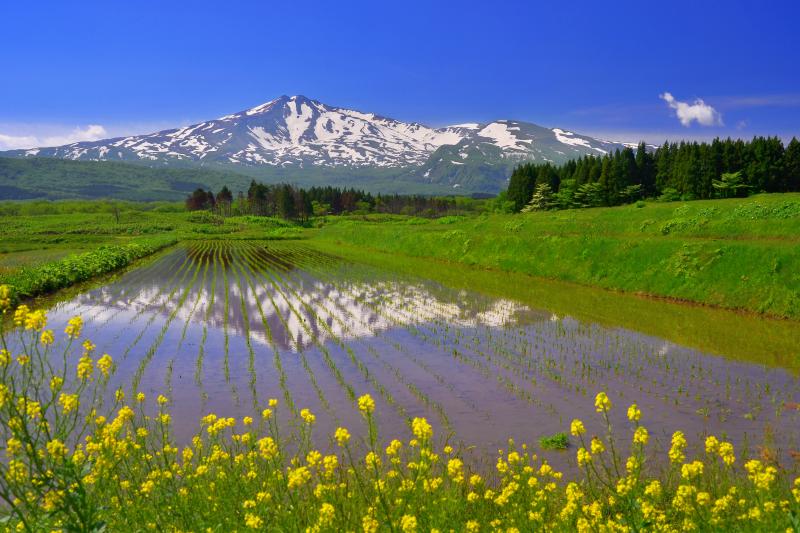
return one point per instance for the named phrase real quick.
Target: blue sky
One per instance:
(84, 70)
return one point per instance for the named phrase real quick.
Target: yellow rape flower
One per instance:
(267, 447)
(408, 524)
(56, 448)
(85, 367)
(641, 436)
(36, 320)
(21, 314)
(725, 451)
(47, 338)
(298, 476)
(5, 298)
(676, 454)
(597, 446)
(326, 514)
(602, 403)
(55, 383)
(308, 416)
(104, 364)
(421, 429)
(576, 428)
(455, 470)
(692, 470)
(583, 456)
(366, 404)
(634, 413)
(74, 327)
(69, 402)
(253, 521)
(342, 436)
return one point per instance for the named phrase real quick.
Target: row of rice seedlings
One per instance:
(403, 323)
(198, 367)
(268, 276)
(134, 278)
(623, 346)
(293, 341)
(436, 341)
(226, 311)
(276, 356)
(435, 334)
(490, 368)
(160, 301)
(399, 376)
(689, 383)
(148, 355)
(237, 269)
(87, 303)
(554, 361)
(188, 320)
(289, 281)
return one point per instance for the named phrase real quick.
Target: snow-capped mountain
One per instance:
(295, 132)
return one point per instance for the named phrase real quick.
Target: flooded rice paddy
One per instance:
(222, 327)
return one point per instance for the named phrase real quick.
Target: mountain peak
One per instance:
(299, 132)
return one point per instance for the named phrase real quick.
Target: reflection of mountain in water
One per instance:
(296, 309)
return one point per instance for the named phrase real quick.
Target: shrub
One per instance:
(558, 441)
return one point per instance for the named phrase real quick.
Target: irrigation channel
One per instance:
(224, 326)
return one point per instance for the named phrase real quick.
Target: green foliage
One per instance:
(674, 171)
(557, 441)
(41, 279)
(205, 217)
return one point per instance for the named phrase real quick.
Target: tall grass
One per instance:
(36, 280)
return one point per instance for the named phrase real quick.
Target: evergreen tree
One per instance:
(791, 166)
(645, 170)
(542, 199)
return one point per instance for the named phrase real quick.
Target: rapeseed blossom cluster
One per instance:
(73, 463)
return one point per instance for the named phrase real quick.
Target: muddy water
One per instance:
(224, 327)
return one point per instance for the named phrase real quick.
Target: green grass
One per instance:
(41, 279)
(558, 441)
(31, 240)
(737, 254)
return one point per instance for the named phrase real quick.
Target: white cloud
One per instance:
(698, 111)
(92, 132)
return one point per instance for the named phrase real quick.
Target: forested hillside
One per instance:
(674, 171)
(48, 178)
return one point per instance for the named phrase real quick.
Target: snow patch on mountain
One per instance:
(300, 133)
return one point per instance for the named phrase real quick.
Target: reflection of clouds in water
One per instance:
(347, 310)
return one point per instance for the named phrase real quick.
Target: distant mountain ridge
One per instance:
(296, 137)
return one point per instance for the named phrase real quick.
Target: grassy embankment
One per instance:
(736, 254)
(41, 253)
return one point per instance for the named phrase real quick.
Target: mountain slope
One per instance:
(297, 137)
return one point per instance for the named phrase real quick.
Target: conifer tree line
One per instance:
(674, 171)
(294, 203)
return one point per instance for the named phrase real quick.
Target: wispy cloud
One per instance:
(697, 111)
(92, 132)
